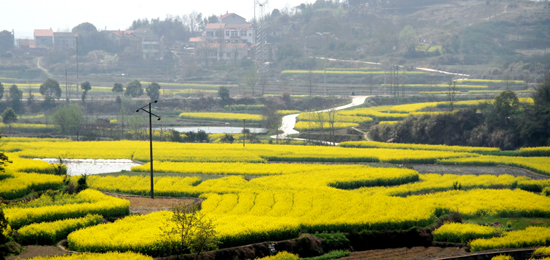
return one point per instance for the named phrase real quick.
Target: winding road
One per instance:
(289, 121)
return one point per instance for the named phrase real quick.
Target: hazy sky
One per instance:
(24, 16)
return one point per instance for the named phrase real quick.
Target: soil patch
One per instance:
(146, 205)
(477, 170)
(34, 251)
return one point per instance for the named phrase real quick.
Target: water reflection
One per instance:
(93, 166)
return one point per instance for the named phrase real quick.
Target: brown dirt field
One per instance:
(406, 253)
(477, 170)
(146, 205)
(34, 251)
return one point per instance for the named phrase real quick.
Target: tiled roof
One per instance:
(226, 15)
(43, 32)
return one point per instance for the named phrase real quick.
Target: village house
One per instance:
(232, 29)
(43, 38)
(142, 44)
(64, 40)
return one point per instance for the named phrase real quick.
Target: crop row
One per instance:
(530, 237)
(284, 211)
(98, 256)
(47, 233)
(436, 86)
(221, 116)
(491, 81)
(463, 233)
(345, 72)
(536, 164)
(304, 125)
(243, 168)
(97, 203)
(21, 184)
(456, 148)
(338, 117)
(337, 176)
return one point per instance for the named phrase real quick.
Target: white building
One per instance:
(232, 29)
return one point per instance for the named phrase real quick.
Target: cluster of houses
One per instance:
(231, 38)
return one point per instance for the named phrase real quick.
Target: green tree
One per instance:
(534, 128)
(118, 88)
(153, 91)
(223, 93)
(50, 89)
(69, 119)
(1, 90)
(16, 96)
(86, 86)
(6, 41)
(190, 230)
(4, 249)
(9, 116)
(408, 38)
(133, 89)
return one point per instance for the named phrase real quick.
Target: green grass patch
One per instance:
(511, 223)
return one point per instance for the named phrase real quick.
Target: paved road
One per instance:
(289, 121)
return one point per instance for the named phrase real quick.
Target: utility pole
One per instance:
(76, 92)
(66, 87)
(150, 141)
(244, 131)
(325, 79)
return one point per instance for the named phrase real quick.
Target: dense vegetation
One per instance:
(503, 123)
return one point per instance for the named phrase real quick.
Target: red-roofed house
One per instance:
(43, 38)
(232, 18)
(232, 29)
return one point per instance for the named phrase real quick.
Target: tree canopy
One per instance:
(9, 116)
(50, 88)
(118, 88)
(133, 89)
(68, 119)
(408, 38)
(15, 98)
(6, 41)
(153, 91)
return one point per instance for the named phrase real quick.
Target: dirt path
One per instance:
(365, 134)
(40, 67)
(406, 253)
(477, 170)
(34, 251)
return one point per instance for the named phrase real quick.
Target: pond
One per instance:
(93, 166)
(218, 129)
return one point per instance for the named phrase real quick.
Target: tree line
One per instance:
(505, 123)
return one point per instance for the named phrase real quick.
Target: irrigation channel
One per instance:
(289, 121)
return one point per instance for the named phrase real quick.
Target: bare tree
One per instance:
(190, 230)
(270, 118)
(331, 119)
(321, 120)
(310, 80)
(251, 78)
(451, 94)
